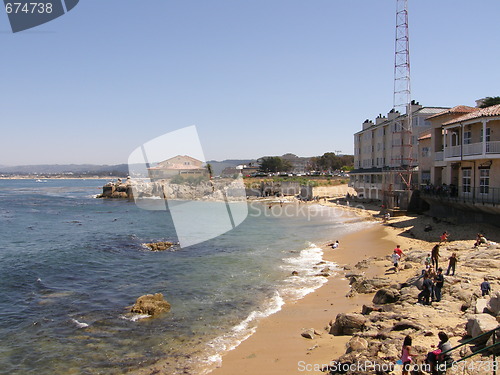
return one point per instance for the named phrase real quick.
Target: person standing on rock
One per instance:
(395, 260)
(485, 287)
(425, 295)
(407, 355)
(452, 262)
(435, 256)
(427, 261)
(438, 284)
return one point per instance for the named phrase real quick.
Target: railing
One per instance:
(452, 151)
(495, 344)
(469, 149)
(473, 149)
(463, 194)
(439, 156)
(493, 147)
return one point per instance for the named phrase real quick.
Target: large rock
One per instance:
(151, 304)
(362, 285)
(348, 324)
(357, 344)
(480, 306)
(493, 305)
(384, 296)
(479, 324)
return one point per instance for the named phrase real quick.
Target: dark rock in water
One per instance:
(159, 246)
(295, 273)
(151, 304)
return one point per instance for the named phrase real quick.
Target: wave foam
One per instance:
(308, 265)
(240, 332)
(135, 317)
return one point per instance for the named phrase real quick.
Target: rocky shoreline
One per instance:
(209, 190)
(364, 312)
(378, 330)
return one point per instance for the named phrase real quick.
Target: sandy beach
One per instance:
(277, 346)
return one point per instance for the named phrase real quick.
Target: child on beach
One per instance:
(395, 260)
(428, 261)
(485, 287)
(335, 245)
(399, 251)
(444, 237)
(452, 262)
(407, 355)
(480, 240)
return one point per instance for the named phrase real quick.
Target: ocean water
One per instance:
(70, 265)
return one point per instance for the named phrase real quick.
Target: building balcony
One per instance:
(493, 147)
(452, 151)
(472, 149)
(469, 149)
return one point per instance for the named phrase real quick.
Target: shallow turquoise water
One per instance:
(68, 260)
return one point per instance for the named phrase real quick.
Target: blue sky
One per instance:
(256, 77)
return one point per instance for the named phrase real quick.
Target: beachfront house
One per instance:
(465, 151)
(378, 151)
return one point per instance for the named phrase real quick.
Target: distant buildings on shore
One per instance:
(180, 165)
(455, 156)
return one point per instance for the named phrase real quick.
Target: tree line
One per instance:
(327, 163)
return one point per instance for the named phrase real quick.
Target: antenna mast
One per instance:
(401, 165)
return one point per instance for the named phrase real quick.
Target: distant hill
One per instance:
(100, 170)
(90, 169)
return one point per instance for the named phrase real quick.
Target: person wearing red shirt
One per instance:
(398, 250)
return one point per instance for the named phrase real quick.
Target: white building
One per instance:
(379, 149)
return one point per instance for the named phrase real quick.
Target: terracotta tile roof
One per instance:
(457, 109)
(423, 136)
(494, 110)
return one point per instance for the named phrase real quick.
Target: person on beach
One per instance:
(444, 237)
(427, 261)
(425, 295)
(387, 216)
(435, 256)
(438, 285)
(431, 272)
(480, 240)
(336, 245)
(395, 260)
(485, 287)
(399, 251)
(452, 262)
(407, 355)
(439, 360)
